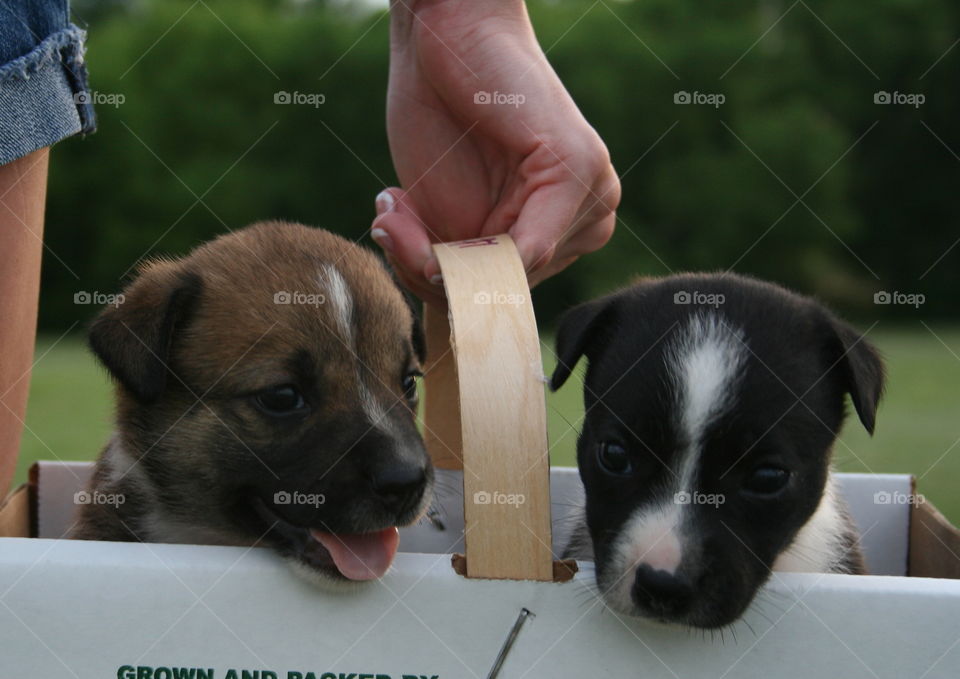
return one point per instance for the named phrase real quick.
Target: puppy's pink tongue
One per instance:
(362, 556)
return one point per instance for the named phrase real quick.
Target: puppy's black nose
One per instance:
(661, 592)
(399, 486)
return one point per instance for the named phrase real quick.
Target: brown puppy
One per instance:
(266, 388)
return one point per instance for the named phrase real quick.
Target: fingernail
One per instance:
(436, 279)
(385, 202)
(382, 238)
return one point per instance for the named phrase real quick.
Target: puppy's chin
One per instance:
(687, 621)
(328, 580)
(310, 553)
(617, 598)
(692, 619)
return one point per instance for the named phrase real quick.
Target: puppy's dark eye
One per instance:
(409, 386)
(614, 458)
(766, 481)
(280, 401)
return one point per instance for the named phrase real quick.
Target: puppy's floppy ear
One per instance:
(579, 328)
(419, 339)
(133, 338)
(861, 368)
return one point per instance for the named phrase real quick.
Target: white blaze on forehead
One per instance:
(339, 299)
(704, 366)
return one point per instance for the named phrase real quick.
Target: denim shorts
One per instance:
(43, 80)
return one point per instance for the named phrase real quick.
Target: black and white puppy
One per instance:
(712, 404)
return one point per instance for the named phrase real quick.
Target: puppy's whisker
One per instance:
(563, 503)
(766, 598)
(758, 607)
(577, 428)
(446, 484)
(587, 591)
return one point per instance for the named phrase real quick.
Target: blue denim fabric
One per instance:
(43, 80)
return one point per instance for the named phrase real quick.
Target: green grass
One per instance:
(70, 407)
(918, 428)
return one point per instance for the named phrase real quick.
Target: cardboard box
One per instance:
(94, 610)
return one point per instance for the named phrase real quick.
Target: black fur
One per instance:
(800, 361)
(134, 341)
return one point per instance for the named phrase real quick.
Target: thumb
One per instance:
(400, 232)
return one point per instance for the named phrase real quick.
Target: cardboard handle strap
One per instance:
(485, 411)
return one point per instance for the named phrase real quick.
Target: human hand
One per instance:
(530, 166)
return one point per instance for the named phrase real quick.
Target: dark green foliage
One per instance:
(202, 100)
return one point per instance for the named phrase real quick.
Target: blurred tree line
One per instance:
(797, 176)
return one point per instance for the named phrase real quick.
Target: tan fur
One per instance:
(248, 268)
(186, 435)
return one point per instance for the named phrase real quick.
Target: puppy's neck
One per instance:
(141, 516)
(826, 543)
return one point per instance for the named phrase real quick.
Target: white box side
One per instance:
(84, 609)
(885, 527)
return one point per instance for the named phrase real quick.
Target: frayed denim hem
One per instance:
(44, 96)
